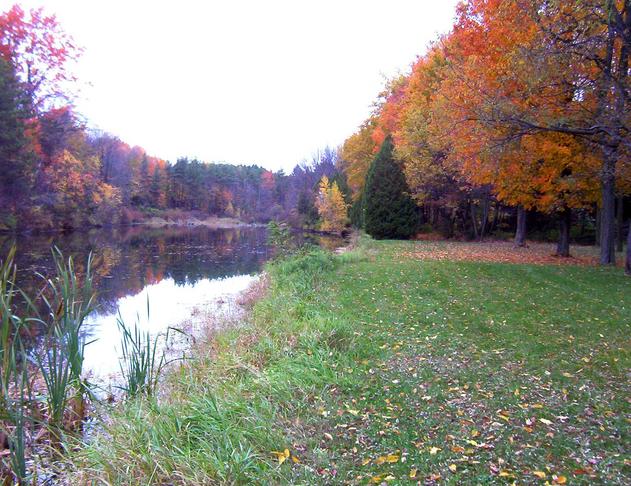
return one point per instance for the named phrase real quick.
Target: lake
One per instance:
(185, 275)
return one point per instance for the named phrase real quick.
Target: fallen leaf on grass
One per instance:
(281, 456)
(413, 473)
(390, 458)
(539, 474)
(453, 468)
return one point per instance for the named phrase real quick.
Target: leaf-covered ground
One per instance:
(534, 253)
(377, 367)
(476, 373)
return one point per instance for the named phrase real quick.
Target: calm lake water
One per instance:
(188, 275)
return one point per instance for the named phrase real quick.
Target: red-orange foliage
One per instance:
(41, 53)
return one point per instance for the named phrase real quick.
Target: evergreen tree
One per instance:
(389, 210)
(16, 160)
(307, 210)
(356, 212)
(144, 181)
(155, 189)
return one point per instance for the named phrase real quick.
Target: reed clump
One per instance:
(42, 393)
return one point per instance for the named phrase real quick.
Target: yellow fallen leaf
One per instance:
(545, 421)
(539, 474)
(295, 460)
(453, 468)
(365, 461)
(506, 474)
(434, 450)
(560, 480)
(281, 456)
(413, 473)
(475, 433)
(391, 458)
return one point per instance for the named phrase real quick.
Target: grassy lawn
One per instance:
(377, 367)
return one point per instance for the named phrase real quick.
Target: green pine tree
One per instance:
(389, 210)
(16, 160)
(155, 189)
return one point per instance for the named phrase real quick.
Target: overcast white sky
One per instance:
(241, 81)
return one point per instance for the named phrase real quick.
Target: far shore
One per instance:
(210, 222)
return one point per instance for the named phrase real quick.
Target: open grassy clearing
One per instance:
(376, 367)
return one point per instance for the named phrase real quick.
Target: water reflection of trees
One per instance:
(128, 259)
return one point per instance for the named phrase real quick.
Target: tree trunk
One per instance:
(628, 265)
(496, 216)
(565, 220)
(620, 224)
(473, 221)
(608, 216)
(520, 233)
(597, 239)
(485, 216)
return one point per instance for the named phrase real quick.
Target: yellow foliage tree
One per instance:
(357, 154)
(331, 207)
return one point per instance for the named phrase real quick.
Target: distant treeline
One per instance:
(56, 173)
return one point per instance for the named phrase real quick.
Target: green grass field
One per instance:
(373, 367)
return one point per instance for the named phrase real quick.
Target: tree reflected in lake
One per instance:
(128, 259)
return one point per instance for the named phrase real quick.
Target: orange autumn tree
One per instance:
(485, 81)
(528, 67)
(437, 187)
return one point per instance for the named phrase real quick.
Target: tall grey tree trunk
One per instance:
(608, 213)
(520, 232)
(563, 245)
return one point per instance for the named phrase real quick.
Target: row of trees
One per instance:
(54, 172)
(523, 105)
